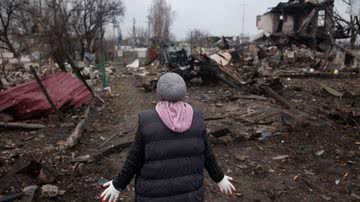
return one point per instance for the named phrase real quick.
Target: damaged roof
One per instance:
(299, 6)
(27, 100)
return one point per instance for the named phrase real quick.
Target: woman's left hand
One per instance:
(225, 186)
(110, 194)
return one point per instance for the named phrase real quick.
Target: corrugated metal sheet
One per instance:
(27, 100)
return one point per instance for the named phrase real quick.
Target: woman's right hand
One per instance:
(110, 194)
(225, 186)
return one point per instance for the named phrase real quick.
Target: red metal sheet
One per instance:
(27, 100)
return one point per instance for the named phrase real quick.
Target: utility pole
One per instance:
(149, 29)
(134, 32)
(243, 22)
(40, 7)
(191, 41)
(115, 27)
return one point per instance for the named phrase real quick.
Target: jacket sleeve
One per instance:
(211, 164)
(133, 163)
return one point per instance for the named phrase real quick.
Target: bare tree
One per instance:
(10, 13)
(58, 28)
(54, 30)
(198, 38)
(161, 18)
(350, 23)
(88, 18)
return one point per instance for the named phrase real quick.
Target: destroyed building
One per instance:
(308, 21)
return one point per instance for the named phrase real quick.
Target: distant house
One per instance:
(309, 20)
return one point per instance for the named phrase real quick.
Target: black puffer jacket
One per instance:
(168, 166)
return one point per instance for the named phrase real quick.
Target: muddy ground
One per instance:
(322, 164)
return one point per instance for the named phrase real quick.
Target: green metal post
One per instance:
(103, 62)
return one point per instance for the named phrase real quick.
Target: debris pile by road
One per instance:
(22, 73)
(258, 75)
(18, 75)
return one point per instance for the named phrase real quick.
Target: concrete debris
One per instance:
(241, 158)
(281, 157)
(134, 65)
(46, 175)
(331, 91)
(29, 193)
(51, 191)
(320, 153)
(355, 196)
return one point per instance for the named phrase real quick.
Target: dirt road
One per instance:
(311, 164)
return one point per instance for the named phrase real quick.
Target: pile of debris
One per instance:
(20, 74)
(91, 72)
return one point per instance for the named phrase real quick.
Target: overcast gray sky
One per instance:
(218, 17)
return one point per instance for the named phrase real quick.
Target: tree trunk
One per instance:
(11, 48)
(353, 39)
(60, 62)
(82, 52)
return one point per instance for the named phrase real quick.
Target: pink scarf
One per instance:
(177, 116)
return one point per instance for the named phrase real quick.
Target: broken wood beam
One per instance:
(231, 73)
(76, 135)
(292, 117)
(118, 146)
(119, 135)
(225, 74)
(307, 21)
(331, 91)
(21, 125)
(215, 118)
(250, 97)
(43, 89)
(225, 81)
(280, 99)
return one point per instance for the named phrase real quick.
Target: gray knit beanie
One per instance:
(171, 87)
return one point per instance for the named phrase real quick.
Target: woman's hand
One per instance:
(226, 187)
(110, 194)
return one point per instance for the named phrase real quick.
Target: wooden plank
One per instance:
(307, 21)
(76, 135)
(331, 91)
(117, 135)
(21, 125)
(280, 99)
(231, 73)
(116, 147)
